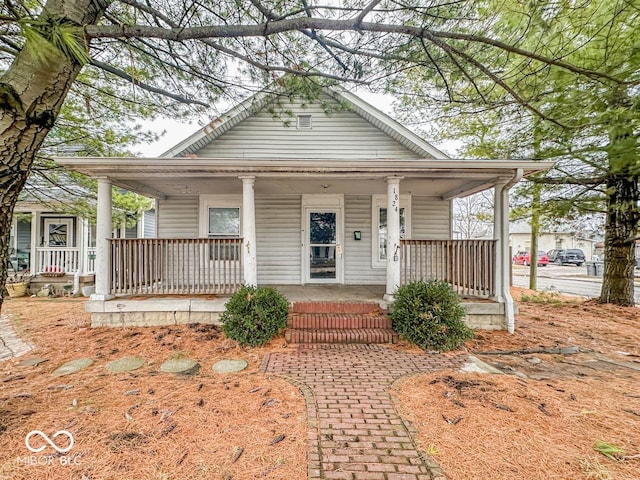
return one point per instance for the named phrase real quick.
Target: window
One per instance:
(224, 222)
(382, 231)
(221, 218)
(379, 225)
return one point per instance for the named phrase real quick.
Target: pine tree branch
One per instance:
(119, 73)
(305, 23)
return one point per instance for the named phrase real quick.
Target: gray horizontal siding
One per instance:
(278, 223)
(430, 218)
(341, 135)
(23, 231)
(357, 253)
(149, 227)
(178, 217)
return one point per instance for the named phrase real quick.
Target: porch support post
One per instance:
(83, 235)
(104, 230)
(503, 260)
(249, 230)
(35, 242)
(393, 236)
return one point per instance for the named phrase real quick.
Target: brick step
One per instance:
(336, 307)
(361, 335)
(338, 320)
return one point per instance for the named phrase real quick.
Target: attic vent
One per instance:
(304, 121)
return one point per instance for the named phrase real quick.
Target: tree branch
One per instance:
(119, 73)
(305, 23)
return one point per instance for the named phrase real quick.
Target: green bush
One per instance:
(430, 315)
(253, 316)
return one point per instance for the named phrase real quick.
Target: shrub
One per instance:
(253, 316)
(430, 315)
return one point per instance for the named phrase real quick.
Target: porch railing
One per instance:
(57, 259)
(156, 266)
(469, 266)
(90, 261)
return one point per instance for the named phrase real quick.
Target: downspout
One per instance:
(506, 263)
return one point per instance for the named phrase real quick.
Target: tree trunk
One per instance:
(32, 92)
(619, 241)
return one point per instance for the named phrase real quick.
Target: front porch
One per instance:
(153, 310)
(339, 196)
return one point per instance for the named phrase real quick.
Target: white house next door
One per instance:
(322, 252)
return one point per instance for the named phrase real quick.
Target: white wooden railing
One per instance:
(157, 266)
(90, 261)
(57, 259)
(469, 266)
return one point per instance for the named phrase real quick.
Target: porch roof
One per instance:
(162, 177)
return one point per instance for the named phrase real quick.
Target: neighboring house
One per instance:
(347, 197)
(549, 239)
(46, 242)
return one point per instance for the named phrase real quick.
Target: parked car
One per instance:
(569, 256)
(524, 258)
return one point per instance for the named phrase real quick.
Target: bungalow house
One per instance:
(285, 192)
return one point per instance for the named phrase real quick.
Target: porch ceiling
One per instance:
(163, 177)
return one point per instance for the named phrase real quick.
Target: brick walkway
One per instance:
(355, 432)
(11, 345)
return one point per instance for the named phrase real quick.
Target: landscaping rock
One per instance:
(180, 366)
(126, 364)
(230, 366)
(32, 362)
(73, 366)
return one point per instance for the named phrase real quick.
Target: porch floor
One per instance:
(333, 293)
(123, 311)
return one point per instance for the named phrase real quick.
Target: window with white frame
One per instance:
(379, 226)
(221, 217)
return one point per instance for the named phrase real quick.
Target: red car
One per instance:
(523, 258)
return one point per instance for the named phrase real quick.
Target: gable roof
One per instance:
(260, 100)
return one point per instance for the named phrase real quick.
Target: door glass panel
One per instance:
(58, 234)
(322, 245)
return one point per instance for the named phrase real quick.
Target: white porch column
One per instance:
(503, 260)
(249, 230)
(83, 236)
(393, 236)
(104, 230)
(35, 242)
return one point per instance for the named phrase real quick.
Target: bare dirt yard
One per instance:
(572, 372)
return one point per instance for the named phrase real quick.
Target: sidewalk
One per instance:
(355, 431)
(11, 345)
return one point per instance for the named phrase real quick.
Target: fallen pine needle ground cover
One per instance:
(144, 424)
(553, 416)
(545, 419)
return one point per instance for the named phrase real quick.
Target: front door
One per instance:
(322, 246)
(322, 255)
(57, 232)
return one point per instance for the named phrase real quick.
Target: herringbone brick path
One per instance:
(355, 432)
